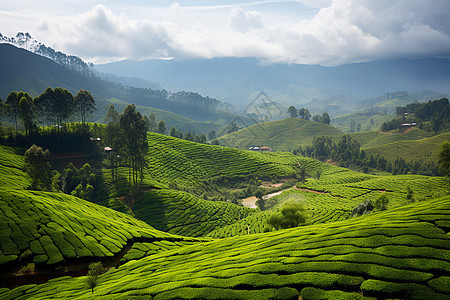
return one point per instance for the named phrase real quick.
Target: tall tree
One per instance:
(444, 159)
(62, 106)
(38, 167)
(134, 136)
(84, 104)
(292, 111)
(153, 126)
(211, 134)
(12, 107)
(326, 118)
(112, 116)
(173, 132)
(162, 127)
(43, 104)
(27, 112)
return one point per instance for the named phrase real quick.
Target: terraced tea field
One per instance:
(184, 214)
(11, 162)
(334, 196)
(172, 160)
(400, 253)
(52, 228)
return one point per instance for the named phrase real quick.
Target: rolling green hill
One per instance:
(282, 135)
(400, 253)
(424, 150)
(52, 228)
(11, 173)
(184, 163)
(370, 139)
(184, 214)
(343, 122)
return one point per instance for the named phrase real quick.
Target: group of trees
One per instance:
(304, 113)
(127, 135)
(347, 152)
(54, 106)
(432, 116)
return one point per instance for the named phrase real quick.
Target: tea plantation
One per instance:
(400, 253)
(51, 228)
(184, 214)
(11, 162)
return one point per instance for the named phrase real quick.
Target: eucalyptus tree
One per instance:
(27, 112)
(292, 111)
(44, 103)
(63, 106)
(135, 145)
(12, 108)
(84, 104)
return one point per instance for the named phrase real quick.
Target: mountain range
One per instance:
(21, 70)
(335, 89)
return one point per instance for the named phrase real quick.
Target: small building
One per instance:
(265, 148)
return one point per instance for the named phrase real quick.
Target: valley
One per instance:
(112, 187)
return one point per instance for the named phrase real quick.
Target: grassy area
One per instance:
(400, 253)
(424, 150)
(282, 135)
(343, 122)
(370, 139)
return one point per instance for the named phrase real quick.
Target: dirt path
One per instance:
(251, 201)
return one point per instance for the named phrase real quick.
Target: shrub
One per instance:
(292, 214)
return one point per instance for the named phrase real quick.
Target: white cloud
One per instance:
(242, 20)
(344, 31)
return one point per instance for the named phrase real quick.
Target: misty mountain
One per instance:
(21, 70)
(238, 80)
(25, 41)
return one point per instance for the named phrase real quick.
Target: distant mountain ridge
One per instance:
(21, 70)
(25, 41)
(336, 89)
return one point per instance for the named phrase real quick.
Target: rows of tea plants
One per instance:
(254, 223)
(140, 250)
(49, 228)
(181, 213)
(400, 253)
(171, 159)
(11, 173)
(174, 159)
(321, 208)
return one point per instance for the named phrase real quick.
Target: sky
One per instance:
(325, 32)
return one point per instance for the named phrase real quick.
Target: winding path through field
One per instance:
(251, 201)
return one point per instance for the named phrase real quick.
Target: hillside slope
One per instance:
(401, 253)
(425, 150)
(282, 135)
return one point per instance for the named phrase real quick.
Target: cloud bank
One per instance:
(345, 31)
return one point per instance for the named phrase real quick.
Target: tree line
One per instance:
(347, 152)
(53, 107)
(432, 116)
(304, 113)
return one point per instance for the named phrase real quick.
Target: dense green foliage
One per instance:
(436, 113)
(348, 153)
